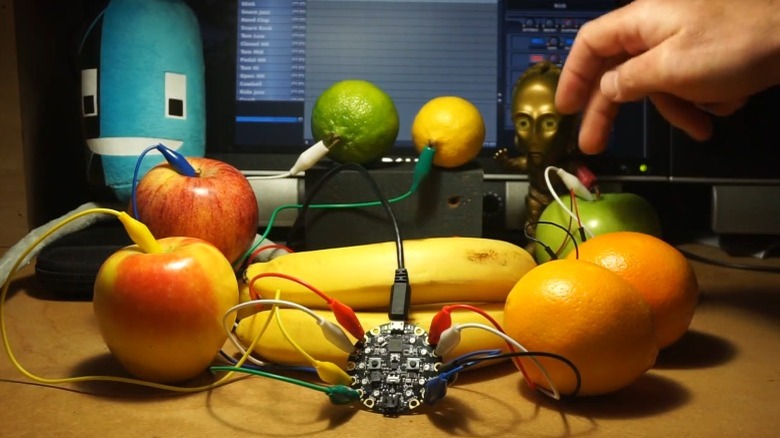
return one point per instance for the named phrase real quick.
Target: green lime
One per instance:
(356, 119)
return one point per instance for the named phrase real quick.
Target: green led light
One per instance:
(643, 168)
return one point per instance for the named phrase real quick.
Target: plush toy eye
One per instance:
(175, 95)
(89, 90)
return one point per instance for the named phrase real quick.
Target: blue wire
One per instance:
(491, 352)
(174, 158)
(133, 196)
(177, 161)
(464, 358)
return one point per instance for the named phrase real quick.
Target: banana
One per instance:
(441, 269)
(302, 328)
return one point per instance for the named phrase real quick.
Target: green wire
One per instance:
(270, 375)
(421, 171)
(339, 394)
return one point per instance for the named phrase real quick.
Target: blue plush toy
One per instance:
(142, 84)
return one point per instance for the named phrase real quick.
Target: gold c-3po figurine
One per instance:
(543, 136)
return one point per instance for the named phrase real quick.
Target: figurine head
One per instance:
(542, 132)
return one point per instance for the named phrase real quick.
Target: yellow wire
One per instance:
(248, 350)
(97, 378)
(314, 362)
(327, 371)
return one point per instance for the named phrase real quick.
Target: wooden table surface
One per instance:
(721, 379)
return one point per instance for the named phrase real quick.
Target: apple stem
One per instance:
(140, 234)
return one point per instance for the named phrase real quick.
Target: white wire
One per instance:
(559, 201)
(237, 343)
(267, 177)
(308, 158)
(553, 388)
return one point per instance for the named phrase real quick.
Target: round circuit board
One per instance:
(391, 366)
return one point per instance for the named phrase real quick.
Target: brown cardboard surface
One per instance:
(13, 202)
(721, 379)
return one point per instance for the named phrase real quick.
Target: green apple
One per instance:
(608, 213)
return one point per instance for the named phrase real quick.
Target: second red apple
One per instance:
(218, 205)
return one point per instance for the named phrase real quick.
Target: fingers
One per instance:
(640, 76)
(684, 115)
(617, 35)
(584, 65)
(600, 114)
(597, 123)
(578, 76)
(575, 83)
(629, 54)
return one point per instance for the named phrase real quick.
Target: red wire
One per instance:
(576, 210)
(498, 327)
(343, 313)
(253, 293)
(477, 310)
(266, 247)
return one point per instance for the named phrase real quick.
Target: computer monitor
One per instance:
(267, 61)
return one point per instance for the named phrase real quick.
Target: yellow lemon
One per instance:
(452, 126)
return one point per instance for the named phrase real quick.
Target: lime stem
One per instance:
(332, 140)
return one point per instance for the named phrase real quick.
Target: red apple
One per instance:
(610, 212)
(161, 313)
(218, 205)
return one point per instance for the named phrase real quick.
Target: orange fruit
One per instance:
(357, 118)
(453, 127)
(657, 270)
(587, 314)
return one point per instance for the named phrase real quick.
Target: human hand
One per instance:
(691, 58)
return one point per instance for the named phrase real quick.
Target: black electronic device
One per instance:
(448, 202)
(743, 148)
(69, 265)
(391, 366)
(734, 177)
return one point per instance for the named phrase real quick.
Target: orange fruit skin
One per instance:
(657, 270)
(587, 314)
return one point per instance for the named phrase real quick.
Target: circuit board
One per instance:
(391, 366)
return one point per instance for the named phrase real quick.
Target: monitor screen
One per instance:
(267, 61)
